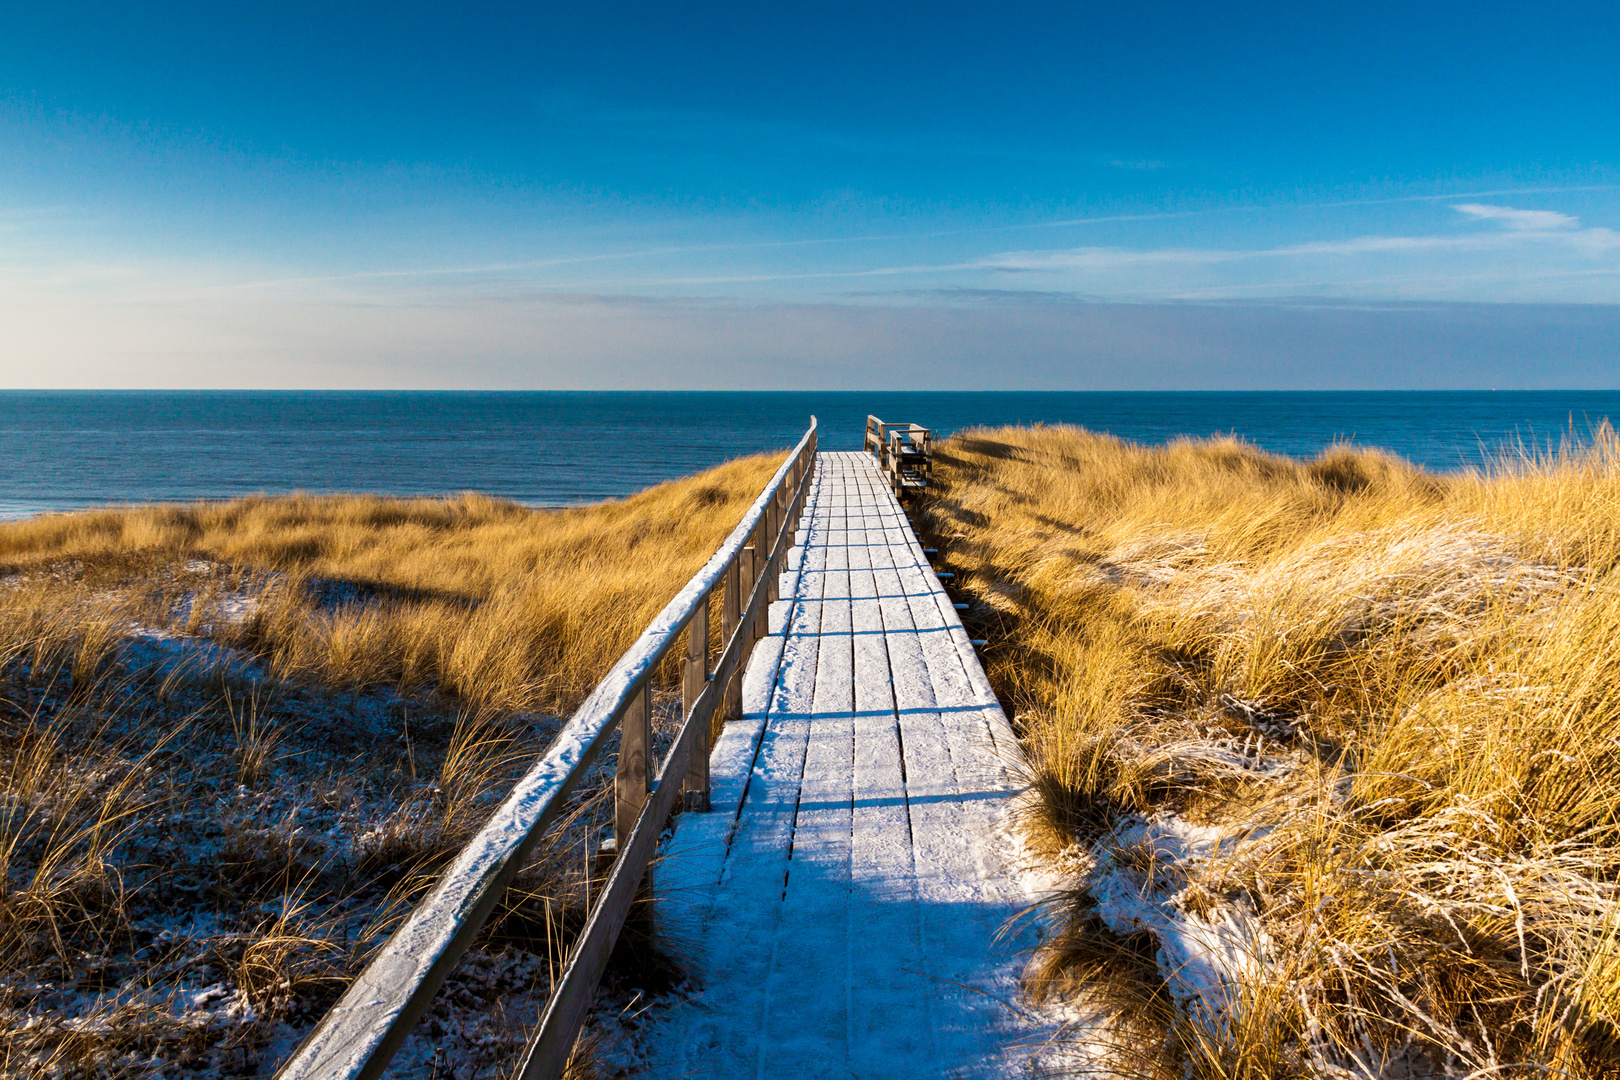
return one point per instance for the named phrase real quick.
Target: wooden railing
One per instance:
(360, 1034)
(904, 452)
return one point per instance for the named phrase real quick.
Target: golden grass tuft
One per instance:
(1398, 694)
(239, 740)
(492, 603)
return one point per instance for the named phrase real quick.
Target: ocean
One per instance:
(66, 450)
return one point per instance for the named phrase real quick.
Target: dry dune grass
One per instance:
(1331, 748)
(494, 604)
(189, 878)
(237, 740)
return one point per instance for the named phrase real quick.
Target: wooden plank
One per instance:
(873, 941)
(564, 1013)
(692, 866)
(891, 1019)
(956, 671)
(733, 943)
(805, 1021)
(1003, 747)
(358, 1036)
(956, 801)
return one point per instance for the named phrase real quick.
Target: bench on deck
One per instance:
(903, 451)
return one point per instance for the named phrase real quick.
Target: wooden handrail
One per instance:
(359, 1035)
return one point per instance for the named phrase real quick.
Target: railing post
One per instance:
(731, 605)
(891, 464)
(762, 566)
(808, 474)
(784, 503)
(631, 779)
(773, 526)
(748, 573)
(696, 677)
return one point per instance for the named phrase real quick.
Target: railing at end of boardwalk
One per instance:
(360, 1034)
(905, 453)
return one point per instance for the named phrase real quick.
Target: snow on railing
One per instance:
(360, 1034)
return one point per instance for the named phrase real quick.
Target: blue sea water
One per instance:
(62, 450)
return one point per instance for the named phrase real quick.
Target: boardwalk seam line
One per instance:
(776, 678)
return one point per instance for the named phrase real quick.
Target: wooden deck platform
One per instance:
(842, 898)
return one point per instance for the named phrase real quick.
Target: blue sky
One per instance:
(1109, 196)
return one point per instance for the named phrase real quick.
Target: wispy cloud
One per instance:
(1507, 264)
(1533, 255)
(1593, 240)
(1515, 218)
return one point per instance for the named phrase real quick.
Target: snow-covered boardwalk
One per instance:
(840, 902)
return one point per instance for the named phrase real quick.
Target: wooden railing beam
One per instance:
(358, 1036)
(549, 1049)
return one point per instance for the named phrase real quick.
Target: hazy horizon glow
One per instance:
(367, 196)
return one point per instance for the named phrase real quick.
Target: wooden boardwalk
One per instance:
(842, 899)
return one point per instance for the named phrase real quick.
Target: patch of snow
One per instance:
(1144, 880)
(1232, 756)
(190, 1000)
(163, 654)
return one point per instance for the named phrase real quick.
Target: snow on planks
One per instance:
(841, 902)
